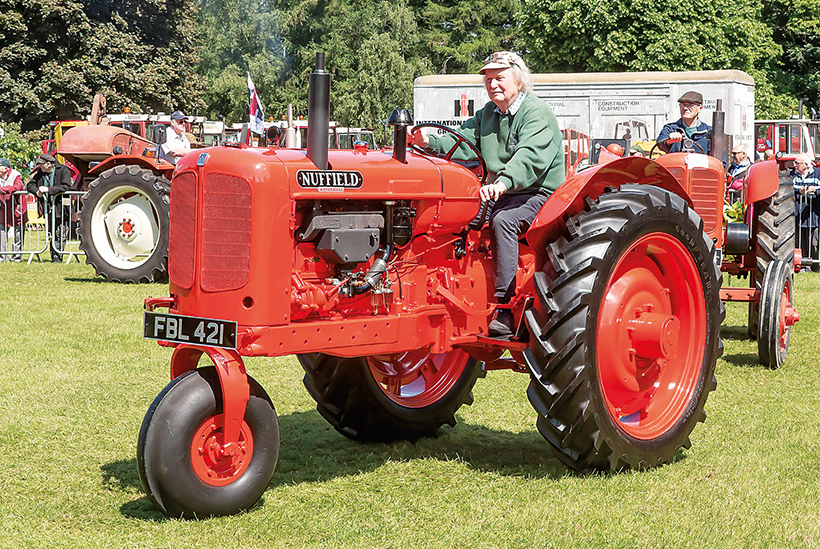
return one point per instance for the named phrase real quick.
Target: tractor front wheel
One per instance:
(624, 332)
(401, 396)
(181, 464)
(124, 225)
(777, 315)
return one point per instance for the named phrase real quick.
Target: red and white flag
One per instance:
(257, 115)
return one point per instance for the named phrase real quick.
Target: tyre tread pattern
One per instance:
(349, 399)
(774, 230)
(560, 387)
(156, 268)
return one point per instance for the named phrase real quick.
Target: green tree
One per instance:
(55, 54)
(20, 149)
(241, 37)
(369, 49)
(796, 28)
(459, 34)
(645, 35)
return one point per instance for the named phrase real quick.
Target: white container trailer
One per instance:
(622, 105)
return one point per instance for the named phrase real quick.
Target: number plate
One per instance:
(208, 332)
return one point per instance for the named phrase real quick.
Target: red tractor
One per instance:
(123, 224)
(362, 264)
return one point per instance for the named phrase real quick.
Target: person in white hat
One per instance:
(520, 140)
(176, 143)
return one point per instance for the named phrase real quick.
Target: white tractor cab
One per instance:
(786, 138)
(339, 137)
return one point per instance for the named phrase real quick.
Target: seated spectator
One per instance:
(176, 143)
(740, 163)
(10, 182)
(806, 181)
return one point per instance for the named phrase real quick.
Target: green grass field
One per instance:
(77, 378)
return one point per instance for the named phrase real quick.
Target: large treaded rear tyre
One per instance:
(124, 225)
(774, 229)
(610, 392)
(181, 472)
(383, 398)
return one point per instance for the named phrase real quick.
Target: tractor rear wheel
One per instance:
(124, 225)
(773, 226)
(402, 396)
(180, 464)
(624, 332)
(776, 315)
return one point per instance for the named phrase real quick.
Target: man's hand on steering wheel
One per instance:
(415, 138)
(418, 139)
(492, 191)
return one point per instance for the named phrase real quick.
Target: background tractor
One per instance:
(363, 264)
(123, 224)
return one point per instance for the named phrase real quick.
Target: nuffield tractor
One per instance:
(367, 265)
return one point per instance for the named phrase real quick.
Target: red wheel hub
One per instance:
(419, 378)
(788, 316)
(651, 336)
(215, 463)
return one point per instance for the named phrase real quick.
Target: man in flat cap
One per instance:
(51, 179)
(687, 126)
(520, 140)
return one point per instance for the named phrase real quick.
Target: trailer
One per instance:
(633, 106)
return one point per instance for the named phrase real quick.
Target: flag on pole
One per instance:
(257, 115)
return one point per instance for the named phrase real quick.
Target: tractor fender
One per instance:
(570, 197)
(160, 167)
(762, 181)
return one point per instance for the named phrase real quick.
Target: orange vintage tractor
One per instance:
(362, 264)
(123, 225)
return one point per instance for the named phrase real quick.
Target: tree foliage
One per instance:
(19, 148)
(56, 54)
(646, 35)
(459, 34)
(796, 28)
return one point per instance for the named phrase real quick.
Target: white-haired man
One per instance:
(740, 163)
(520, 140)
(806, 181)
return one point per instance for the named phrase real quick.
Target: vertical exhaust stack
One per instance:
(400, 119)
(318, 113)
(718, 143)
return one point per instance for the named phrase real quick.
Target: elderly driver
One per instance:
(519, 138)
(687, 126)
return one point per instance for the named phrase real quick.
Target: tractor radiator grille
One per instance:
(182, 235)
(707, 199)
(226, 232)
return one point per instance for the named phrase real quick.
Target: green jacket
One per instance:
(525, 150)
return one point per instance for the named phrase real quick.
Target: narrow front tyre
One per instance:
(181, 465)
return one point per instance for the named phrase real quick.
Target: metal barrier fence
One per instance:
(807, 225)
(32, 226)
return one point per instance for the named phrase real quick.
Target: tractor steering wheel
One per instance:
(686, 142)
(482, 166)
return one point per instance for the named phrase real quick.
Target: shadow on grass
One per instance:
(735, 333)
(750, 360)
(94, 280)
(312, 451)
